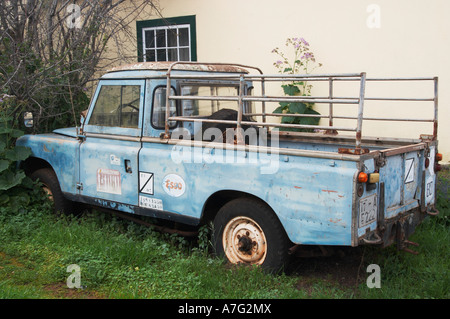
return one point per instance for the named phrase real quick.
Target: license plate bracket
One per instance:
(367, 210)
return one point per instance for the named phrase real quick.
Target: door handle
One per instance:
(128, 166)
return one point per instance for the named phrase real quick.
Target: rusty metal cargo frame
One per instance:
(331, 100)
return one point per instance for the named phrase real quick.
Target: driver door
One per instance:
(109, 154)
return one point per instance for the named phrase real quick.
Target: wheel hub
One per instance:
(244, 241)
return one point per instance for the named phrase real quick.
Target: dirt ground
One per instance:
(340, 265)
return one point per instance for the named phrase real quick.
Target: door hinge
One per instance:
(80, 186)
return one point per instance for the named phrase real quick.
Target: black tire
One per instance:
(50, 183)
(254, 232)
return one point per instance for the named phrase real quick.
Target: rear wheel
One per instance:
(50, 185)
(247, 231)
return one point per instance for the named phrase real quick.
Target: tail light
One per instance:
(363, 177)
(437, 166)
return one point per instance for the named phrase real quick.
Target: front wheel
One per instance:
(50, 185)
(247, 231)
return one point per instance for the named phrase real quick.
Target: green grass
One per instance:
(121, 259)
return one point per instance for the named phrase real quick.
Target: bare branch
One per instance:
(41, 53)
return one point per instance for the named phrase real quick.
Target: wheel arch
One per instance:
(220, 198)
(32, 164)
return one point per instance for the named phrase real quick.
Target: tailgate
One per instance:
(404, 192)
(407, 183)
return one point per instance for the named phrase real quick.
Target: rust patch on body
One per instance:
(47, 150)
(335, 221)
(328, 191)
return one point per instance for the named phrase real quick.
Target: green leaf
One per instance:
(4, 164)
(18, 153)
(279, 110)
(310, 120)
(10, 179)
(287, 120)
(311, 111)
(22, 152)
(290, 89)
(5, 130)
(16, 133)
(297, 108)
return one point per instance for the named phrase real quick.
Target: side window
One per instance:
(159, 108)
(117, 105)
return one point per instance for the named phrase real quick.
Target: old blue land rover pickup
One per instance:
(195, 143)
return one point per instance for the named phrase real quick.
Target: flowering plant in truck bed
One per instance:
(302, 61)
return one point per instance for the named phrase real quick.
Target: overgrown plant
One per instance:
(10, 175)
(302, 61)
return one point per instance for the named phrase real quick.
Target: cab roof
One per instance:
(182, 66)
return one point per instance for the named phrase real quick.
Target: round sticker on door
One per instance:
(174, 185)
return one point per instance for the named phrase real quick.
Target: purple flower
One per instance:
(304, 42)
(279, 62)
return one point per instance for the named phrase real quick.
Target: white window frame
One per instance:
(166, 48)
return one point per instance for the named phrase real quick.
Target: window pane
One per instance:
(160, 38)
(159, 108)
(150, 55)
(172, 38)
(159, 41)
(173, 54)
(130, 106)
(161, 54)
(106, 107)
(149, 39)
(108, 110)
(184, 54)
(206, 108)
(184, 36)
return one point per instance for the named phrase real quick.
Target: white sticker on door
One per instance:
(114, 160)
(108, 181)
(174, 185)
(146, 182)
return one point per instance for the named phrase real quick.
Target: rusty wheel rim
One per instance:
(48, 192)
(244, 241)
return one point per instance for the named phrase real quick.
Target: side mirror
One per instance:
(28, 119)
